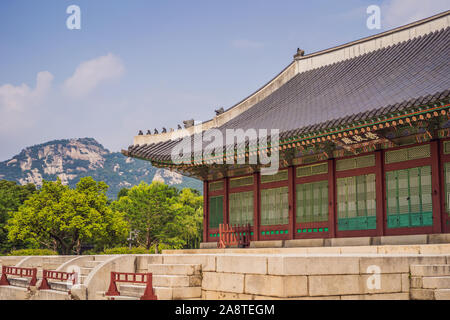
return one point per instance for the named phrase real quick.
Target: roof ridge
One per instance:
(378, 35)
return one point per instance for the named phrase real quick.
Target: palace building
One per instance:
(364, 144)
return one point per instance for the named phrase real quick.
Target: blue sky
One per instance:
(143, 64)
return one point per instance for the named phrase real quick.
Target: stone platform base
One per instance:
(418, 239)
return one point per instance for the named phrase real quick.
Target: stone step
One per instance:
(122, 298)
(174, 269)
(177, 281)
(52, 295)
(91, 264)
(84, 271)
(422, 294)
(60, 285)
(163, 293)
(181, 293)
(436, 282)
(430, 270)
(442, 294)
(136, 290)
(19, 282)
(82, 278)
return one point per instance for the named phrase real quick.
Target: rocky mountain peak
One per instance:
(72, 159)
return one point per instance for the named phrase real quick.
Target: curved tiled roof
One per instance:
(410, 73)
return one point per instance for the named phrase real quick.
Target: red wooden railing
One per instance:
(132, 278)
(56, 275)
(19, 272)
(244, 234)
(235, 235)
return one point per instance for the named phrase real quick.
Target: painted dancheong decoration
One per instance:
(364, 143)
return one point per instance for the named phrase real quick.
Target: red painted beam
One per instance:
(332, 200)
(436, 186)
(205, 211)
(226, 202)
(291, 199)
(380, 192)
(256, 206)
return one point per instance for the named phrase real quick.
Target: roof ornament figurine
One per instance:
(164, 130)
(219, 111)
(140, 133)
(300, 53)
(149, 132)
(179, 127)
(156, 131)
(188, 123)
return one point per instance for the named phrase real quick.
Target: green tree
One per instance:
(162, 214)
(148, 209)
(122, 193)
(12, 196)
(187, 226)
(63, 219)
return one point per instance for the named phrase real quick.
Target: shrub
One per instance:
(33, 252)
(134, 250)
(126, 250)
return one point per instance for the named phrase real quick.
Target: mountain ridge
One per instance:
(72, 159)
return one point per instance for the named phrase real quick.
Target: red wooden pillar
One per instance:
(226, 202)
(332, 198)
(436, 184)
(291, 199)
(380, 192)
(205, 211)
(256, 206)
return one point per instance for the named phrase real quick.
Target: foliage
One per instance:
(12, 196)
(62, 219)
(111, 167)
(126, 250)
(32, 252)
(162, 214)
(122, 193)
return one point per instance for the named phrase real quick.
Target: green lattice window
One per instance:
(409, 198)
(446, 147)
(216, 186)
(447, 186)
(241, 182)
(274, 206)
(279, 176)
(215, 211)
(406, 154)
(305, 171)
(241, 208)
(355, 163)
(312, 202)
(356, 203)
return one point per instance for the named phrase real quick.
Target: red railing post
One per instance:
(149, 293)
(112, 291)
(33, 277)
(4, 280)
(44, 283)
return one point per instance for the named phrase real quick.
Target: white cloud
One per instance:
(89, 74)
(400, 12)
(246, 44)
(17, 98)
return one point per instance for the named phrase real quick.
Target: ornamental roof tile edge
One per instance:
(158, 149)
(309, 62)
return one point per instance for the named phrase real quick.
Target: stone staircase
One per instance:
(430, 282)
(60, 290)
(170, 282)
